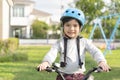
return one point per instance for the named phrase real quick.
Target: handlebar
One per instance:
(56, 69)
(95, 69)
(49, 69)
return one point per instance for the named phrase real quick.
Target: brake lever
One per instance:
(99, 69)
(49, 69)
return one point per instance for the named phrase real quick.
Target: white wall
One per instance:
(28, 10)
(5, 17)
(19, 21)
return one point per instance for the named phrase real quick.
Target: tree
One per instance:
(91, 8)
(55, 34)
(39, 29)
(112, 8)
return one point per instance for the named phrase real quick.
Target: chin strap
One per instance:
(63, 64)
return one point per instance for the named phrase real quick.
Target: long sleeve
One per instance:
(52, 54)
(95, 52)
(72, 54)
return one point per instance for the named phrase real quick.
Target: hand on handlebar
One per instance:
(42, 66)
(99, 69)
(104, 66)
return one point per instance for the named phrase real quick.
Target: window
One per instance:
(18, 11)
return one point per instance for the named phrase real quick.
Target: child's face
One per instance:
(72, 28)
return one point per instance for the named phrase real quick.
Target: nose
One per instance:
(71, 27)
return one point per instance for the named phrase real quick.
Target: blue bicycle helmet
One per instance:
(74, 13)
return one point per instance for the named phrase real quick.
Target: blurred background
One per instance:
(28, 28)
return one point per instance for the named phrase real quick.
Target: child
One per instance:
(72, 48)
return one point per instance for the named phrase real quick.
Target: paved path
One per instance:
(37, 42)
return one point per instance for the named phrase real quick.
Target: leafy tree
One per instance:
(109, 23)
(91, 8)
(114, 7)
(54, 29)
(39, 29)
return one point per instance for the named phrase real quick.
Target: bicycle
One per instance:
(55, 68)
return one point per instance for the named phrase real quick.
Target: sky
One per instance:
(52, 6)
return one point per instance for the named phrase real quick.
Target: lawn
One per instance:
(27, 70)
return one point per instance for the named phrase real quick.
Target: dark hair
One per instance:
(67, 19)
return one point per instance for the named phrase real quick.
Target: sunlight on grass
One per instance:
(6, 76)
(26, 70)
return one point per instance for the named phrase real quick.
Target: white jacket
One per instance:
(72, 55)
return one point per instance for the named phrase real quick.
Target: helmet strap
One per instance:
(63, 64)
(78, 49)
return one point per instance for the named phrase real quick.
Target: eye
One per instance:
(75, 25)
(68, 25)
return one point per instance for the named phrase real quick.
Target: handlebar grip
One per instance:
(109, 69)
(38, 68)
(99, 69)
(49, 69)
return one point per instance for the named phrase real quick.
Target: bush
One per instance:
(1, 44)
(39, 29)
(7, 51)
(20, 57)
(5, 58)
(8, 45)
(17, 56)
(12, 44)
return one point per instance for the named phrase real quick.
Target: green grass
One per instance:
(27, 70)
(113, 59)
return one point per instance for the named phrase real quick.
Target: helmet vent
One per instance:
(72, 11)
(66, 11)
(79, 14)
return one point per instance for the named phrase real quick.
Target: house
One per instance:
(5, 12)
(42, 16)
(17, 16)
(20, 18)
(23, 15)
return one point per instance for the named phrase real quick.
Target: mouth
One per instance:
(71, 32)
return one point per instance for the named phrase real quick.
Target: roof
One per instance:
(40, 13)
(10, 2)
(23, 1)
